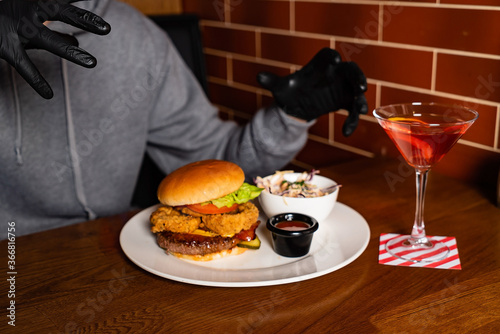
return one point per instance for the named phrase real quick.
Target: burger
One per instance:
(206, 211)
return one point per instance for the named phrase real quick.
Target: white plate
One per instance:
(341, 238)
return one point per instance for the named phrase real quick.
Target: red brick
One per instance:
(271, 14)
(471, 2)
(291, 49)
(408, 67)
(348, 20)
(216, 66)
(449, 28)
(230, 40)
(469, 76)
(321, 127)
(413, 1)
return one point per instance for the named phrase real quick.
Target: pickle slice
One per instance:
(253, 244)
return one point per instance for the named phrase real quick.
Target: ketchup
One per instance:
(292, 225)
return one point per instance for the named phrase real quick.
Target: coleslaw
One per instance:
(277, 184)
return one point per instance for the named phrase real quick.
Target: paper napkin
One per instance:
(452, 260)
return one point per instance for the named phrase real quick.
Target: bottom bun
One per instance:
(211, 256)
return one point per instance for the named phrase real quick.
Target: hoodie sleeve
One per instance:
(185, 127)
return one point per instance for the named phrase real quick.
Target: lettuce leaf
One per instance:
(244, 194)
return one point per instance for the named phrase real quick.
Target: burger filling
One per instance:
(186, 231)
(199, 244)
(228, 203)
(211, 209)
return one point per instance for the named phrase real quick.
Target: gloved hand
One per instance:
(21, 28)
(325, 84)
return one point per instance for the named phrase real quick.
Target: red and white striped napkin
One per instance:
(452, 260)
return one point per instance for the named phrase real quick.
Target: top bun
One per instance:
(200, 182)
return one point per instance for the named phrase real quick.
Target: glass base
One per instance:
(417, 250)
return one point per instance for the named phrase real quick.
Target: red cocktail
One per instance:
(423, 133)
(424, 139)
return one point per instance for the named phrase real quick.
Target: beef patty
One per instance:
(193, 244)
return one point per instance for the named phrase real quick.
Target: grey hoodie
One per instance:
(77, 156)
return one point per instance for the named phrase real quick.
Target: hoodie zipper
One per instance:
(75, 160)
(19, 128)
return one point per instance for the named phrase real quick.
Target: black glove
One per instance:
(21, 28)
(325, 84)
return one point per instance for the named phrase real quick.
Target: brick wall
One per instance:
(435, 50)
(156, 7)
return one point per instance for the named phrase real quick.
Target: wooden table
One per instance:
(77, 279)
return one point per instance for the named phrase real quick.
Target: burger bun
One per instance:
(200, 182)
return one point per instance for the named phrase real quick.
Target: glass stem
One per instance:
(418, 233)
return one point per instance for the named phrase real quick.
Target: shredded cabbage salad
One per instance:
(277, 184)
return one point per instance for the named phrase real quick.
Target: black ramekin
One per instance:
(292, 243)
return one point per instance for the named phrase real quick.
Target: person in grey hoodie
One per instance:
(76, 156)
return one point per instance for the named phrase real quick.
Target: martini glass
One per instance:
(423, 134)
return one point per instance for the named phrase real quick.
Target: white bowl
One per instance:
(316, 207)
